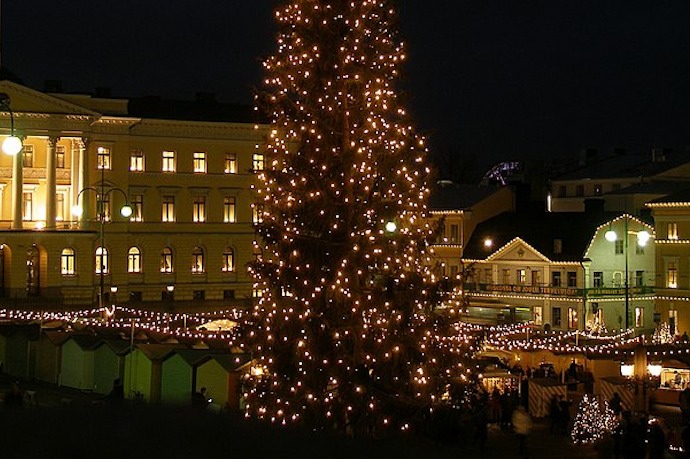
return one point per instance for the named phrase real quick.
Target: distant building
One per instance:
(672, 222)
(558, 270)
(184, 169)
(623, 180)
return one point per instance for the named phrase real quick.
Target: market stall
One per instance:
(540, 393)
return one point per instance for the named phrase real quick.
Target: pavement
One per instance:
(67, 423)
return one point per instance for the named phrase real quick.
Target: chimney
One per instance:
(594, 207)
(659, 155)
(587, 156)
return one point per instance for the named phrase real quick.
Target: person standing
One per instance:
(522, 425)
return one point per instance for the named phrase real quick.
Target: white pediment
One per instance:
(517, 250)
(27, 100)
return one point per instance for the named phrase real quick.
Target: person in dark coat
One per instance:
(554, 415)
(565, 414)
(616, 404)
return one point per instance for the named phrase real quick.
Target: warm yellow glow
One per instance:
(12, 145)
(627, 370)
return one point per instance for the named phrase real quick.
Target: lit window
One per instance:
(168, 161)
(598, 279)
(167, 260)
(572, 318)
(257, 213)
(103, 158)
(618, 247)
(60, 157)
(672, 275)
(134, 260)
(200, 162)
(258, 162)
(28, 156)
(27, 205)
(639, 317)
(556, 279)
(137, 203)
(168, 209)
(67, 262)
(229, 215)
(198, 260)
(572, 279)
(673, 319)
(104, 205)
(454, 234)
(136, 160)
(536, 277)
(521, 275)
(672, 230)
(257, 293)
(538, 315)
(101, 260)
(199, 209)
(228, 259)
(60, 207)
(230, 163)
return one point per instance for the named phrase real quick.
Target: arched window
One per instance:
(102, 260)
(134, 260)
(198, 260)
(167, 260)
(67, 262)
(228, 260)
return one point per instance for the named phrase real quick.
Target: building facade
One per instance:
(672, 244)
(187, 184)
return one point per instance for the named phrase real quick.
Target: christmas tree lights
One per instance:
(345, 327)
(592, 421)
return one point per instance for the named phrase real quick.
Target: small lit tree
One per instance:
(592, 421)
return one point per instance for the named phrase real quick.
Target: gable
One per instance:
(27, 100)
(517, 250)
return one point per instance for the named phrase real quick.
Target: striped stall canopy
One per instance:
(541, 391)
(619, 384)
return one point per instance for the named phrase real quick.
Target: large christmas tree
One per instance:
(344, 327)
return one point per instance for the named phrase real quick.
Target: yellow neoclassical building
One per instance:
(184, 182)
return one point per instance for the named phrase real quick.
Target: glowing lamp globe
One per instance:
(126, 211)
(12, 145)
(611, 235)
(77, 211)
(643, 238)
(391, 227)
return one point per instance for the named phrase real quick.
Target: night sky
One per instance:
(489, 80)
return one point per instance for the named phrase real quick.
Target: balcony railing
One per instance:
(525, 289)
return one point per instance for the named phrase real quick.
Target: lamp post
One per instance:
(12, 144)
(642, 239)
(125, 211)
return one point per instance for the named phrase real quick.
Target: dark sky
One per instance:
(492, 80)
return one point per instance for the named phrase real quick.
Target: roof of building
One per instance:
(540, 230)
(205, 108)
(679, 196)
(452, 196)
(629, 165)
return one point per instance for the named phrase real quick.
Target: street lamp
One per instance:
(12, 144)
(125, 211)
(642, 238)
